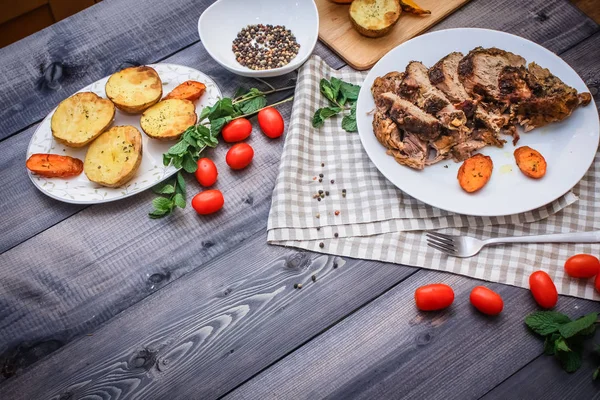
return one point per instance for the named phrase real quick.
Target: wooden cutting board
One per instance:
(360, 52)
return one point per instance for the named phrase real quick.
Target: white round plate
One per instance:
(569, 146)
(80, 190)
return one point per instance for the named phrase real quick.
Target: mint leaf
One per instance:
(549, 344)
(578, 326)
(222, 108)
(327, 90)
(349, 121)
(335, 87)
(322, 114)
(546, 322)
(570, 360)
(596, 373)
(179, 200)
(166, 189)
(204, 113)
(253, 105)
(162, 204)
(180, 183)
(561, 345)
(216, 125)
(349, 91)
(239, 92)
(178, 148)
(158, 214)
(588, 331)
(188, 164)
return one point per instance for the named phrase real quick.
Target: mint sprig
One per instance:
(342, 97)
(174, 189)
(564, 338)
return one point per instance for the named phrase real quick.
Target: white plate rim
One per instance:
(440, 204)
(173, 170)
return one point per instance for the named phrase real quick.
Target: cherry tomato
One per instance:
(582, 266)
(543, 289)
(486, 300)
(434, 297)
(239, 156)
(271, 122)
(236, 130)
(208, 202)
(597, 282)
(207, 173)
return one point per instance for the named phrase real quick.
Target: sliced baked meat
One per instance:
(411, 118)
(386, 131)
(442, 147)
(479, 71)
(444, 75)
(417, 88)
(414, 152)
(390, 82)
(513, 85)
(551, 100)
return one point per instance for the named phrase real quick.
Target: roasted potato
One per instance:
(374, 18)
(475, 173)
(81, 118)
(342, 1)
(188, 90)
(168, 119)
(134, 89)
(113, 159)
(413, 8)
(54, 165)
(530, 162)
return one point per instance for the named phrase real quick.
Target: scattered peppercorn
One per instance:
(318, 215)
(319, 198)
(314, 278)
(318, 228)
(320, 175)
(326, 193)
(322, 164)
(320, 180)
(314, 178)
(295, 286)
(321, 245)
(336, 235)
(335, 265)
(322, 195)
(332, 181)
(262, 47)
(320, 192)
(299, 286)
(337, 212)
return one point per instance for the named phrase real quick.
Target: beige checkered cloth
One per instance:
(379, 222)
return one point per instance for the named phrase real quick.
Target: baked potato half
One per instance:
(114, 157)
(134, 89)
(374, 18)
(81, 118)
(168, 119)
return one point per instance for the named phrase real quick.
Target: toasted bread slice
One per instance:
(134, 89)
(81, 118)
(114, 157)
(374, 18)
(168, 119)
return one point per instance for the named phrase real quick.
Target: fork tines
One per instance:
(441, 242)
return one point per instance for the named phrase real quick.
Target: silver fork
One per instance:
(465, 246)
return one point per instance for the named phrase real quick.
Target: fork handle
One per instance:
(575, 237)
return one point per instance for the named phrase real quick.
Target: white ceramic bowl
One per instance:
(220, 23)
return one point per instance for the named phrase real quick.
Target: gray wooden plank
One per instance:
(389, 349)
(24, 200)
(201, 336)
(48, 66)
(544, 379)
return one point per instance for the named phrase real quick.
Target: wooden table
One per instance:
(102, 302)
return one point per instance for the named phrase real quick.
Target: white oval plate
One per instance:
(80, 190)
(569, 146)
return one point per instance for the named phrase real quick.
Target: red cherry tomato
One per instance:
(597, 283)
(236, 130)
(207, 173)
(582, 266)
(271, 122)
(208, 202)
(543, 289)
(434, 297)
(239, 156)
(486, 300)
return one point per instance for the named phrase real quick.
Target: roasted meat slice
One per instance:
(444, 75)
(411, 118)
(417, 88)
(406, 148)
(551, 99)
(390, 82)
(479, 71)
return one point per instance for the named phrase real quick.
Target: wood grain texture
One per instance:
(10, 9)
(24, 25)
(389, 349)
(590, 7)
(199, 337)
(360, 52)
(31, 200)
(48, 66)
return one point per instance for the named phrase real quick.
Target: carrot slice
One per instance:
(475, 173)
(530, 162)
(188, 90)
(54, 165)
(411, 7)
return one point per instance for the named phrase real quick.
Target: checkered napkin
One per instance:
(364, 216)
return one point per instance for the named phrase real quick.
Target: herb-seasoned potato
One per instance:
(114, 157)
(168, 119)
(374, 18)
(475, 173)
(530, 162)
(81, 118)
(134, 89)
